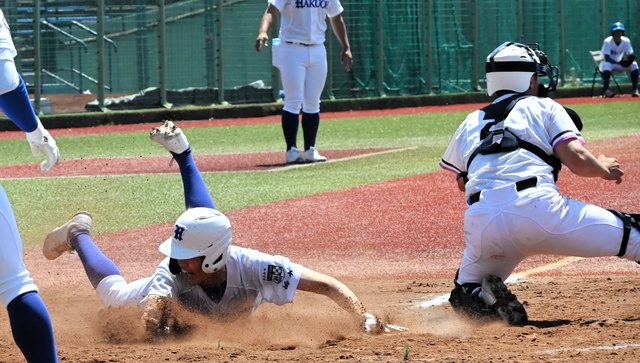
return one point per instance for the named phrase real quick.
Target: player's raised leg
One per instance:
(75, 236)
(174, 140)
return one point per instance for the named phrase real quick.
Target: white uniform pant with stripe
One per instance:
(303, 70)
(506, 226)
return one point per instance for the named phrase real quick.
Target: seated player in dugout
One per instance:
(203, 271)
(507, 157)
(618, 58)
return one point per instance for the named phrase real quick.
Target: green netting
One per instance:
(400, 47)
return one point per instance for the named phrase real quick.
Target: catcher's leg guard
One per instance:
(465, 299)
(630, 221)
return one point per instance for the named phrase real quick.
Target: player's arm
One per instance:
(581, 162)
(608, 58)
(158, 317)
(328, 286)
(340, 30)
(265, 24)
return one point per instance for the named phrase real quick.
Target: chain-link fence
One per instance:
(202, 51)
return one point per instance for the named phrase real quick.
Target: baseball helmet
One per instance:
(200, 232)
(510, 67)
(617, 26)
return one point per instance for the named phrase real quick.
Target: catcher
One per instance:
(618, 58)
(203, 271)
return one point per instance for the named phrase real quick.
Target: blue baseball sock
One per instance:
(17, 106)
(31, 328)
(196, 193)
(310, 124)
(634, 79)
(605, 80)
(96, 265)
(290, 128)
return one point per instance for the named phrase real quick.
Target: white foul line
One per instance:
(590, 349)
(441, 299)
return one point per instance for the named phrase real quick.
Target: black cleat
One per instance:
(496, 295)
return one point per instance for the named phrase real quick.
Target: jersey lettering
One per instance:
(159, 284)
(300, 4)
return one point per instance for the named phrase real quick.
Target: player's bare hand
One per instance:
(157, 318)
(347, 60)
(263, 40)
(374, 325)
(41, 141)
(613, 167)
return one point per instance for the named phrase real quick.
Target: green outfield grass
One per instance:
(125, 202)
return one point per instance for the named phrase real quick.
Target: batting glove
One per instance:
(40, 140)
(371, 324)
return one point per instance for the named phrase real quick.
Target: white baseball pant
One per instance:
(616, 68)
(506, 226)
(303, 70)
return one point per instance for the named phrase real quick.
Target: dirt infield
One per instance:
(397, 244)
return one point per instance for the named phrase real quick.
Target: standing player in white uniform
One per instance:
(614, 49)
(507, 163)
(302, 59)
(202, 271)
(28, 316)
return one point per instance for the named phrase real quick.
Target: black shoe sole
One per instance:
(496, 294)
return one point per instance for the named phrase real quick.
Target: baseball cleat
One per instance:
(312, 156)
(57, 242)
(497, 296)
(171, 137)
(635, 93)
(293, 156)
(608, 93)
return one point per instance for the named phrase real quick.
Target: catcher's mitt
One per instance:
(627, 60)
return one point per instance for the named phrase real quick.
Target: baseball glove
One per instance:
(627, 60)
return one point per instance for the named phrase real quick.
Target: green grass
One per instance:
(125, 202)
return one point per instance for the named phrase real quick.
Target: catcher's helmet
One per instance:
(200, 232)
(510, 67)
(617, 26)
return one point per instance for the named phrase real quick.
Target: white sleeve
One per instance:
(163, 282)
(560, 127)
(279, 4)
(334, 8)
(629, 49)
(452, 160)
(606, 49)
(277, 278)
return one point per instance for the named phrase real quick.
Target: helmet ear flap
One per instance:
(209, 266)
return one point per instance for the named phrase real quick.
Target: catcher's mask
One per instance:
(617, 26)
(510, 67)
(200, 232)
